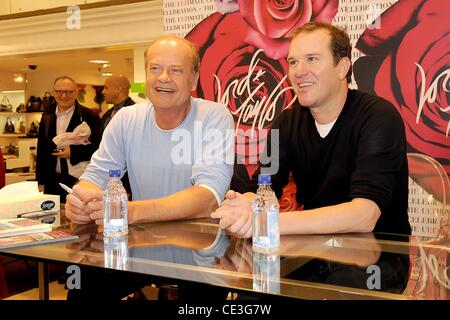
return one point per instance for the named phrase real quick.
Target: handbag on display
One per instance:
(12, 149)
(21, 128)
(47, 102)
(34, 129)
(5, 105)
(34, 104)
(21, 108)
(9, 126)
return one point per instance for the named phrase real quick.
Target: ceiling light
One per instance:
(12, 91)
(106, 74)
(18, 77)
(105, 65)
(99, 61)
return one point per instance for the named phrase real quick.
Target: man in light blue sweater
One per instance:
(178, 150)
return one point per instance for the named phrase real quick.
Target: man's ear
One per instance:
(344, 65)
(195, 81)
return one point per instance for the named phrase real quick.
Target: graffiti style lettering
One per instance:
(431, 266)
(261, 111)
(431, 93)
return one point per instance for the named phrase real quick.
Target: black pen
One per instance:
(70, 191)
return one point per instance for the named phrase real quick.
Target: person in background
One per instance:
(116, 91)
(64, 116)
(178, 152)
(346, 149)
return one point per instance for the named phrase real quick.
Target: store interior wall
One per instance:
(140, 22)
(128, 26)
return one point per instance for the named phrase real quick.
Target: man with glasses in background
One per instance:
(64, 116)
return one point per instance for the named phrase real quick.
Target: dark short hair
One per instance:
(65, 78)
(339, 45)
(194, 52)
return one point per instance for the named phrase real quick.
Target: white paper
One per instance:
(24, 188)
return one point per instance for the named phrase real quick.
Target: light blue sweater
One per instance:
(199, 152)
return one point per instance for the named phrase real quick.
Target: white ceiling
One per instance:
(19, 6)
(120, 58)
(22, 43)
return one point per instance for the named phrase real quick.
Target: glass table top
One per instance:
(345, 266)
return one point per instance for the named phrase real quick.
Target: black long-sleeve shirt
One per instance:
(363, 156)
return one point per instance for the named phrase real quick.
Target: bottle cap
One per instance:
(114, 173)
(264, 179)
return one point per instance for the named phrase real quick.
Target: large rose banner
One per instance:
(241, 76)
(243, 65)
(405, 59)
(408, 63)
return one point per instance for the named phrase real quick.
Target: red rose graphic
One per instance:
(407, 60)
(287, 200)
(253, 86)
(272, 22)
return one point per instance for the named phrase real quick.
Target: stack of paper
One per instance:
(34, 239)
(18, 226)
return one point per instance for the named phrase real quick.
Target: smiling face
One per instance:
(317, 80)
(65, 93)
(170, 77)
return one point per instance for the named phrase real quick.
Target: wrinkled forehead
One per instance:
(172, 50)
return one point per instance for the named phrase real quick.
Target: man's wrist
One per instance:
(132, 212)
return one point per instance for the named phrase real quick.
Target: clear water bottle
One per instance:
(266, 272)
(116, 252)
(115, 207)
(266, 214)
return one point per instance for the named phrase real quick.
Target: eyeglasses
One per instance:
(67, 92)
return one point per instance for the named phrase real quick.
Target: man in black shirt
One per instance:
(346, 149)
(116, 91)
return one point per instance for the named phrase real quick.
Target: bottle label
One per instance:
(115, 211)
(266, 230)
